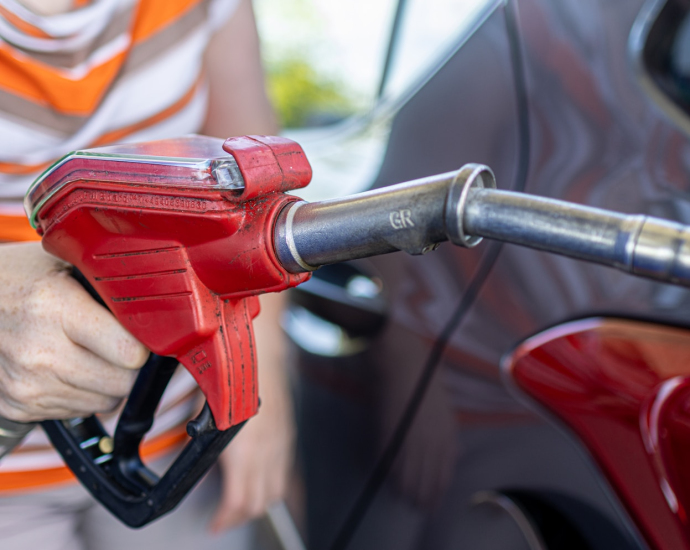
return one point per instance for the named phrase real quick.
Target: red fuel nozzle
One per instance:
(176, 237)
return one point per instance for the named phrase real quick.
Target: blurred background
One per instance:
(339, 71)
(328, 60)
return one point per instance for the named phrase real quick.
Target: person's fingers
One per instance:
(61, 354)
(53, 361)
(228, 491)
(93, 327)
(277, 486)
(88, 372)
(256, 464)
(75, 400)
(29, 403)
(249, 488)
(258, 494)
(235, 493)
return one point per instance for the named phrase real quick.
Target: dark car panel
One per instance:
(546, 94)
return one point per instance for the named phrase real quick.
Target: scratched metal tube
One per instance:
(643, 245)
(407, 216)
(583, 232)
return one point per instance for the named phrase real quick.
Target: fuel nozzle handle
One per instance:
(464, 206)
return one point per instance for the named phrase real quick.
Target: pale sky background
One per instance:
(347, 40)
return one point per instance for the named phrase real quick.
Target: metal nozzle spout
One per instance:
(464, 207)
(414, 217)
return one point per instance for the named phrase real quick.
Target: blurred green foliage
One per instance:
(302, 96)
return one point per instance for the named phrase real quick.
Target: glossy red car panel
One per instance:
(622, 387)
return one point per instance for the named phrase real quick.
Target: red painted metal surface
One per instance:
(624, 388)
(180, 267)
(270, 163)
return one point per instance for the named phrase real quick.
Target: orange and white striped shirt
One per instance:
(106, 71)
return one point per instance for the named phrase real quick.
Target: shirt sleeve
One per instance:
(220, 11)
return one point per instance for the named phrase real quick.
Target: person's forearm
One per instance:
(271, 345)
(238, 104)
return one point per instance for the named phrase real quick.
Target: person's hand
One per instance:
(61, 354)
(256, 464)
